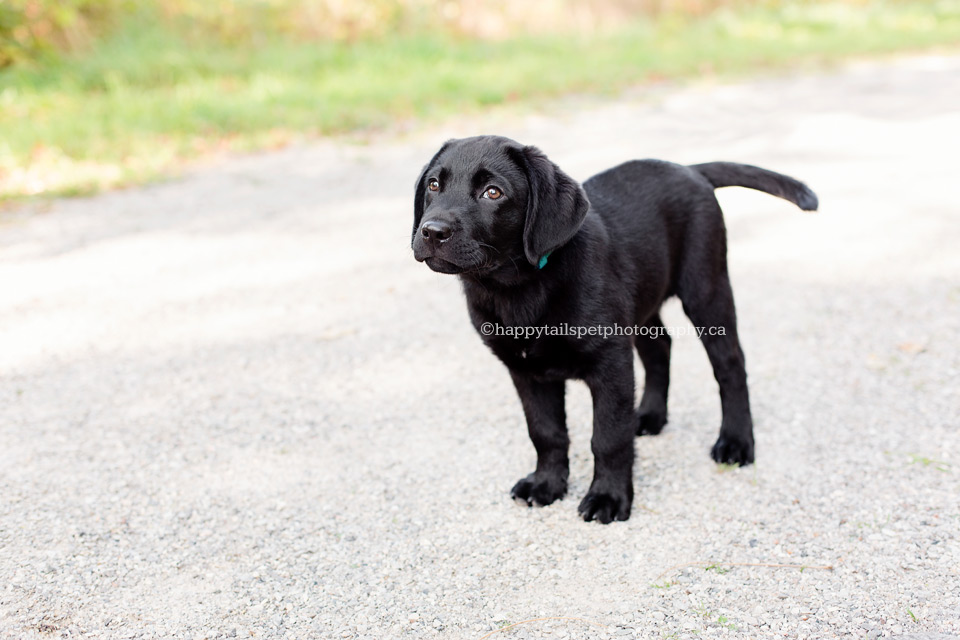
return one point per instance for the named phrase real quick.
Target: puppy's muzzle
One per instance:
(436, 232)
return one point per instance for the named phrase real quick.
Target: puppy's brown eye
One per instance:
(433, 185)
(493, 193)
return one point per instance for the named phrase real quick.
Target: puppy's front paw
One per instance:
(650, 423)
(733, 450)
(539, 489)
(605, 506)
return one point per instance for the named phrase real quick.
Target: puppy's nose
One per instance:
(436, 230)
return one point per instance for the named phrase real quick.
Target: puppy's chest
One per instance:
(547, 357)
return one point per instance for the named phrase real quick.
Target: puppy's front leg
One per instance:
(543, 406)
(611, 492)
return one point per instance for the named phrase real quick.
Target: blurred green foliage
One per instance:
(111, 92)
(33, 29)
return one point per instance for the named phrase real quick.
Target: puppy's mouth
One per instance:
(442, 266)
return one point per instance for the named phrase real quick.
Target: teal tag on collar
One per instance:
(543, 261)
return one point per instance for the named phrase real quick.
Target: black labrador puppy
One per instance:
(543, 259)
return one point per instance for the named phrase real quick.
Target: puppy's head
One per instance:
(487, 204)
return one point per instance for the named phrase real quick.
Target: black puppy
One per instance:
(534, 249)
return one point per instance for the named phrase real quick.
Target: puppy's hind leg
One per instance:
(709, 305)
(653, 346)
(543, 406)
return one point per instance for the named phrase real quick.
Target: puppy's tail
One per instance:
(731, 174)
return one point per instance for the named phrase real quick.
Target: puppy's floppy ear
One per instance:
(420, 194)
(556, 204)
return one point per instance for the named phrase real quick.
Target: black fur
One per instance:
(616, 248)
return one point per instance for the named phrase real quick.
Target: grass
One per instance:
(923, 461)
(711, 617)
(724, 622)
(663, 585)
(716, 567)
(140, 103)
(939, 465)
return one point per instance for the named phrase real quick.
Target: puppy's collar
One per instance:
(543, 260)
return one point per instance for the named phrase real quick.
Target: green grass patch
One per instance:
(139, 103)
(663, 585)
(717, 568)
(925, 461)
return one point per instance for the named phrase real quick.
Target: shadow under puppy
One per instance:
(535, 249)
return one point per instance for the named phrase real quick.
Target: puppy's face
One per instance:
(490, 207)
(471, 206)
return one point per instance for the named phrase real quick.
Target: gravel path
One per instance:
(233, 404)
